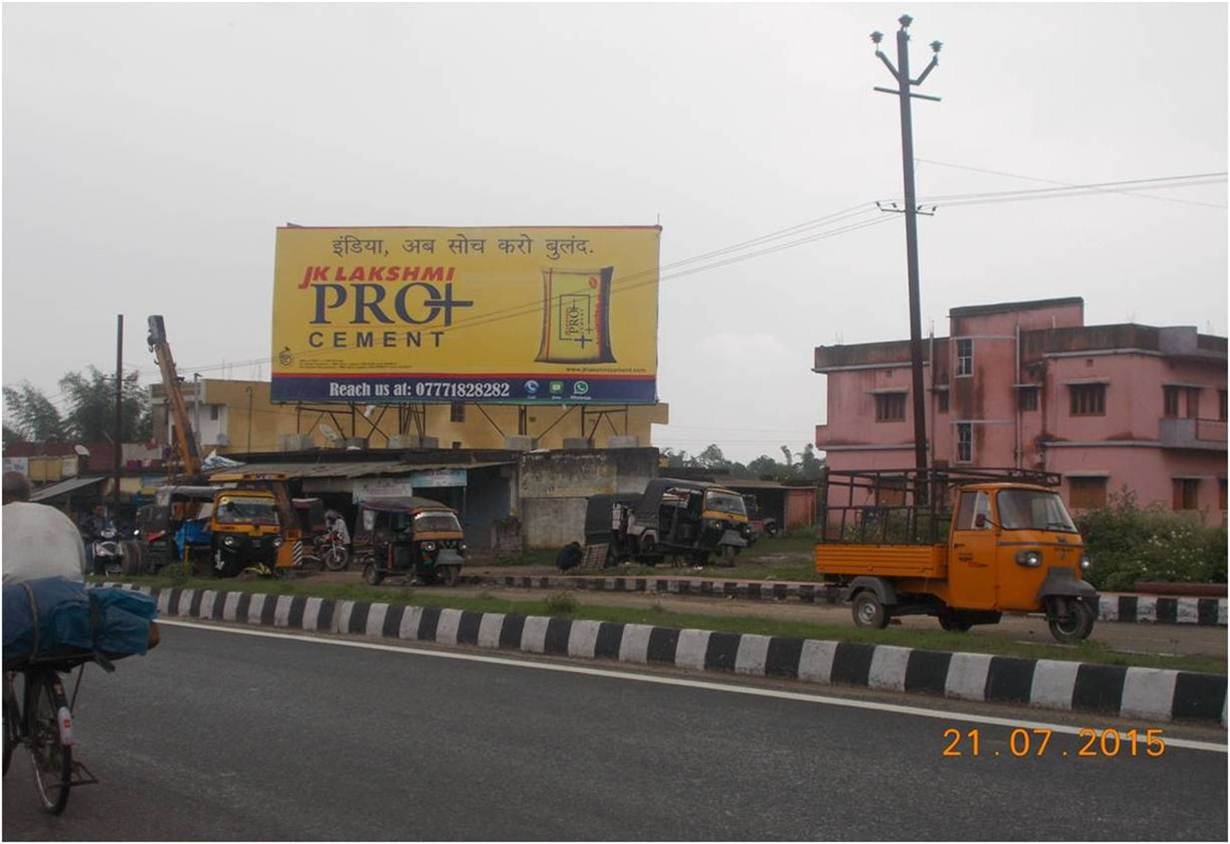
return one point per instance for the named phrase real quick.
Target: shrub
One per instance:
(561, 603)
(1128, 543)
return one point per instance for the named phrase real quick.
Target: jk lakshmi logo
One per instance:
(363, 300)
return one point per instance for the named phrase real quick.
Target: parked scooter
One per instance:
(108, 555)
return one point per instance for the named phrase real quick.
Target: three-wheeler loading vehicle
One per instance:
(963, 546)
(253, 525)
(174, 524)
(689, 519)
(760, 522)
(409, 537)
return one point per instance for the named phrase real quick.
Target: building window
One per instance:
(941, 401)
(1170, 401)
(1027, 398)
(457, 412)
(965, 442)
(456, 444)
(1088, 399)
(1221, 407)
(965, 357)
(213, 412)
(1193, 402)
(1186, 493)
(1221, 493)
(1087, 493)
(890, 407)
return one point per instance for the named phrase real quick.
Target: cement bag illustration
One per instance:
(576, 316)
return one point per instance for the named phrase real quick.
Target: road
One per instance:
(223, 736)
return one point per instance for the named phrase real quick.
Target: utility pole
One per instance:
(119, 412)
(902, 74)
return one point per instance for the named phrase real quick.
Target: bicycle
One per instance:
(43, 722)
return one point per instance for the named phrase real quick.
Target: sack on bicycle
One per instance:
(54, 618)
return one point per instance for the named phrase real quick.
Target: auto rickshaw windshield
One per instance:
(724, 502)
(246, 510)
(439, 521)
(1027, 509)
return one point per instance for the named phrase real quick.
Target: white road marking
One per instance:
(899, 709)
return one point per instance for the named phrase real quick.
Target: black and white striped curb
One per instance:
(1112, 607)
(1147, 693)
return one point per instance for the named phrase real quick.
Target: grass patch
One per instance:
(656, 614)
(562, 603)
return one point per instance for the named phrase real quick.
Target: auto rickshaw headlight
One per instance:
(429, 546)
(1029, 559)
(277, 542)
(229, 542)
(461, 547)
(1085, 562)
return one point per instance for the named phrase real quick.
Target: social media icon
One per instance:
(531, 386)
(557, 386)
(580, 388)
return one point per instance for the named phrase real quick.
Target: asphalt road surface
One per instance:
(223, 736)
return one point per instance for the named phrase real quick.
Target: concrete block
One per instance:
(294, 442)
(518, 442)
(622, 441)
(578, 442)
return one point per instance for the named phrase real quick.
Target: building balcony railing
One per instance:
(1205, 434)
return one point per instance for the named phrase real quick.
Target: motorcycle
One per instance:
(329, 551)
(107, 552)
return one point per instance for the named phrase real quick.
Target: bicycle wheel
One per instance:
(11, 727)
(53, 761)
(336, 557)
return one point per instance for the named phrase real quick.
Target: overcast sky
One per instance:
(150, 152)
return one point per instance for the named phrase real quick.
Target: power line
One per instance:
(1157, 183)
(1064, 184)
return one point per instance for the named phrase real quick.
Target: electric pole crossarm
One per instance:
(888, 65)
(897, 93)
(931, 66)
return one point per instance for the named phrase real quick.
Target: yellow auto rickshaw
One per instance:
(411, 537)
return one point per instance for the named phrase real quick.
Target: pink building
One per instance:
(1029, 385)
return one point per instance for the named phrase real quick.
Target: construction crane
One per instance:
(185, 437)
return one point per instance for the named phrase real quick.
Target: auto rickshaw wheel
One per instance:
(371, 576)
(868, 611)
(953, 622)
(1075, 626)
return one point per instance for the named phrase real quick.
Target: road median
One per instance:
(1114, 607)
(1131, 691)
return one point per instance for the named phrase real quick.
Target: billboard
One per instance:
(488, 315)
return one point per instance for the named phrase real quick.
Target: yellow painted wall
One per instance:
(267, 422)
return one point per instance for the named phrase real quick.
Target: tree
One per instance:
(675, 459)
(31, 416)
(90, 415)
(811, 467)
(712, 458)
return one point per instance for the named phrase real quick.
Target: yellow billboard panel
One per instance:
(493, 315)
